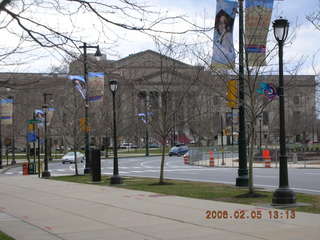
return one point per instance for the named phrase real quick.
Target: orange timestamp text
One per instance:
(250, 214)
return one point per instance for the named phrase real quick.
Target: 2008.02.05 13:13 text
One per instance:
(250, 214)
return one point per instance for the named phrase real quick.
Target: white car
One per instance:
(69, 157)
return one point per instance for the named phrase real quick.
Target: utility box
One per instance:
(25, 168)
(32, 168)
(95, 165)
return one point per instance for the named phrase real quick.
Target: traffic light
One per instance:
(83, 126)
(227, 132)
(232, 94)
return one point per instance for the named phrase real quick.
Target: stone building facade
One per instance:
(186, 102)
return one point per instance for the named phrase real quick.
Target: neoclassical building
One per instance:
(186, 103)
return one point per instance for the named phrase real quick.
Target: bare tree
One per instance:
(257, 71)
(174, 81)
(69, 124)
(30, 21)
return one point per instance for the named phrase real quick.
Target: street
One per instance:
(301, 180)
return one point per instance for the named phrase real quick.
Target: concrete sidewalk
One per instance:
(40, 209)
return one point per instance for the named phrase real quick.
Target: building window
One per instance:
(296, 100)
(265, 118)
(229, 119)
(216, 100)
(297, 116)
(154, 100)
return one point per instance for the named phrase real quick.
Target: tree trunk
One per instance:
(163, 152)
(251, 158)
(75, 133)
(75, 162)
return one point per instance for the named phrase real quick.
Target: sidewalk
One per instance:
(40, 209)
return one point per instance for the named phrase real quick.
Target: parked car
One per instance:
(152, 145)
(178, 150)
(128, 145)
(16, 149)
(69, 157)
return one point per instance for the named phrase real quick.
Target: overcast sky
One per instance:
(304, 44)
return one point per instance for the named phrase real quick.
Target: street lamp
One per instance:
(260, 130)
(13, 161)
(87, 137)
(7, 89)
(115, 179)
(242, 180)
(144, 95)
(283, 195)
(0, 135)
(45, 173)
(146, 105)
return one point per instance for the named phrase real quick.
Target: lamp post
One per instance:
(146, 104)
(222, 135)
(283, 195)
(87, 136)
(0, 136)
(242, 179)
(45, 173)
(145, 97)
(174, 129)
(7, 89)
(260, 128)
(13, 145)
(115, 179)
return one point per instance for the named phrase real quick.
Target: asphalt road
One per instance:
(301, 180)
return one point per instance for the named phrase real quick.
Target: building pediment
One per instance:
(149, 59)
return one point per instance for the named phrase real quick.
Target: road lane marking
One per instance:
(262, 176)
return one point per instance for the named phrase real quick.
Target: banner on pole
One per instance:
(96, 86)
(39, 115)
(31, 137)
(257, 21)
(223, 53)
(142, 116)
(6, 111)
(50, 112)
(79, 84)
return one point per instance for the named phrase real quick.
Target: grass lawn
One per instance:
(5, 237)
(209, 191)
(141, 150)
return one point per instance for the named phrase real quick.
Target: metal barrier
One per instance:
(200, 156)
(211, 157)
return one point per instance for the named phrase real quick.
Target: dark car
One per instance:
(154, 145)
(178, 151)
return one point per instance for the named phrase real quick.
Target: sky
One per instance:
(302, 49)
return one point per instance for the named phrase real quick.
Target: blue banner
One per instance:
(6, 111)
(96, 86)
(31, 137)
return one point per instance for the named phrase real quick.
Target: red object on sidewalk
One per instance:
(25, 169)
(267, 158)
(211, 161)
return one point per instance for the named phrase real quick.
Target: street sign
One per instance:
(34, 121)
